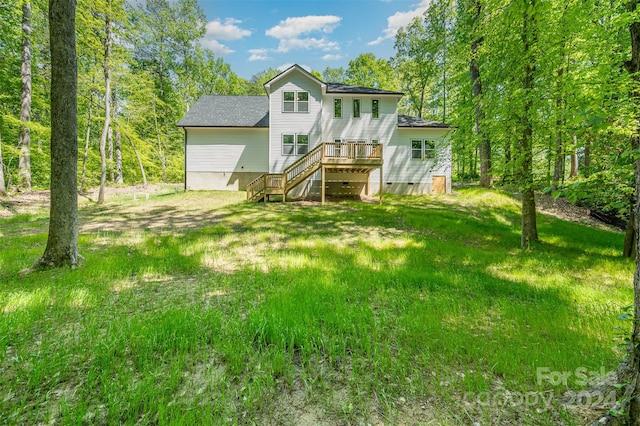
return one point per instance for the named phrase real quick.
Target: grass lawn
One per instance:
(200, 308)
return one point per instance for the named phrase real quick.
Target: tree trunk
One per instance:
(83, 188)
(117, 147)
(474, 69)
(144, 176)
(62, 240)
(629, 248)
(587, 155)
(529, 225)
(3, 187)
(633, 67)
(24, 162)
(107, 104)
(558, 169)
(574, 159)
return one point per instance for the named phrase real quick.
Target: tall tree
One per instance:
(529, 39)
(62, 240)
(24, 165)
(106, 66)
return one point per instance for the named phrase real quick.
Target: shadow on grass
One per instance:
(243, 300)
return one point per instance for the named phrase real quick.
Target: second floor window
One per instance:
(337, 108)
(375, 108)
(356, 108)
(295, 102)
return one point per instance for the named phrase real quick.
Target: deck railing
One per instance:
(345, 150)
(272, 183)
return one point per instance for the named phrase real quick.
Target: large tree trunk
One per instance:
(529, 225)
(629, 248)
(633, 67)
(24, 162)
(3, 187)
(107, 103)
(62, 241)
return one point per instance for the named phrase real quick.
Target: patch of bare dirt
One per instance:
(563, 209)
(31, 202)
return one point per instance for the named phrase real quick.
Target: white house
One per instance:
(310, 137)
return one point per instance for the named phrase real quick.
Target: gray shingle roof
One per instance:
(228, 111)
(345, 88)
(408, 121)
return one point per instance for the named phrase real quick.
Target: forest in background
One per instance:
(537, 89)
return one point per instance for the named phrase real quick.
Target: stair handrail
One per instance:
(256, 186)
(309, 160)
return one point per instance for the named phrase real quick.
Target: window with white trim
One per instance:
(303, 101)
(295, 101)
(289, 102)
(375, 108)
(302, 144)
(422, 149)
(356, 108)
(295, 144)
(337, 108)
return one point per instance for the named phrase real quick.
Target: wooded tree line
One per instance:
(140, 67)
(538, 90)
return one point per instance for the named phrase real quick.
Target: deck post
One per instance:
(322, 184)
(381, 186)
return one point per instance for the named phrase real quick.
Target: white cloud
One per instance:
(331, 57)
(290, 31)
(216, 47)
(227, 30)
(297, 26)
(288, 44)
(400, 19)
(258, 55)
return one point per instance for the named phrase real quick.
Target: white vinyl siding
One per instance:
(285, 123)
(227, 150)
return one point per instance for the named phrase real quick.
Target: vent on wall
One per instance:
(410, 183)
(388, 183)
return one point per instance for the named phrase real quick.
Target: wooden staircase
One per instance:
(338, 156)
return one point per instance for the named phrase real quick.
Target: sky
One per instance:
(253, 35)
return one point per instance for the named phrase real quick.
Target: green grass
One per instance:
(200, 308)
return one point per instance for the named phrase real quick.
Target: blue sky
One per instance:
(253, 35)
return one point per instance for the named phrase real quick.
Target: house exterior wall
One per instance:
(225, 158)
(404, 175)
(280, 122)
(364, 128)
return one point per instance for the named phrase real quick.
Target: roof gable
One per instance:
(292, 69)
(228, 111)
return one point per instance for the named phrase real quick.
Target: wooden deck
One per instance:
(332, 157)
